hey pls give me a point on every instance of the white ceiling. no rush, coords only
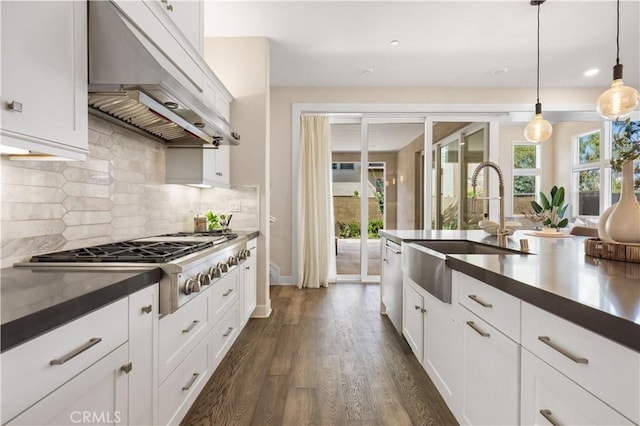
(442, 43)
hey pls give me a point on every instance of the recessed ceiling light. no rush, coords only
(591, 72)
(394, 42)
(501, 70)
(366, 71)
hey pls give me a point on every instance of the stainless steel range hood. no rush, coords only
(133, 80)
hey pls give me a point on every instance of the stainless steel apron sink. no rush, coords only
(424, 262)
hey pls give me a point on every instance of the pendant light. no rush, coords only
(617, 102)
(539, 129)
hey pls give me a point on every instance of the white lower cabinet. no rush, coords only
(413, 310)
(603, 368)
(549, 397)
(39, 366)
(143, 340)
(224, 334)
(181, 331)
(181, 388)
(443, 349)
(491, 374)
(249, 283)
(98, 395)
(435, 336)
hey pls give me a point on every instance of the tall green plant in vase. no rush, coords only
(552, 208)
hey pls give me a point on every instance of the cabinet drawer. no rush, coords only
(223, 294)
(35, 368)
(97, 395)
(492, 305)
(182, 387)
(545, 390)
(224, 334)
(181, 331)
(604, 368)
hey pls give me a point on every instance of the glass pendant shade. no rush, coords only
(538, 130)
(617, 102)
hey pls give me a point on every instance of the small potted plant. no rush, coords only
(215, 221)
(551, 211)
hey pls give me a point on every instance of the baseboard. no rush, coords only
(262, 311)
(286, 280)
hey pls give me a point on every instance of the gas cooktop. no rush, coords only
(127, 251)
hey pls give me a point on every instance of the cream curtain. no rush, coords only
(316, 256)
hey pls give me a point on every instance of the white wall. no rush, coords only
(282, 99)
(242, 64)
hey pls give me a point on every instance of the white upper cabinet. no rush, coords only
(188, 15)
(44, 77)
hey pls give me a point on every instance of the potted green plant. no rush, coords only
(552, 209)
(215, 221)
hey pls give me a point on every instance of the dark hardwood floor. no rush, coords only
(324, 357)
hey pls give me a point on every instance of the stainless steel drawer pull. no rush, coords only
(228, 292)
(480, 302)
(15, 106)
(477, 330)
(126, 368)
(147, 309)
(229, 330)
(191, 326)
(423, 310)
(74, 353)
(547, 414)
(191, 382)
(417, 307)
(392, 250)
(547, 341)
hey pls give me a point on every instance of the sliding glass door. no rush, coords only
(457, 152)
(366, 199)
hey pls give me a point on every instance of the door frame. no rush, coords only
(508, 112)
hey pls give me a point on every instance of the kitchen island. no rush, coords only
(550, 336)
(600, 295)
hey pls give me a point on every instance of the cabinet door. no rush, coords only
(249, 285)
(222, 164)
(44, 75)
(413, 318)
(188, 17)
(143, 339)
(443, 349)
(549, 396)
(98, 395)
(491, 374)
(392, 272)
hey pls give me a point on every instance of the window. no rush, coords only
(526, 175)
(616, 177)
(587, 173)
(596, 185)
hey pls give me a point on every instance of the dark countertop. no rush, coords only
(249, 234)
(600, 295)
(34, 301)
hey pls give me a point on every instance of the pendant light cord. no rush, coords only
(538, 69)
(618, 34)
